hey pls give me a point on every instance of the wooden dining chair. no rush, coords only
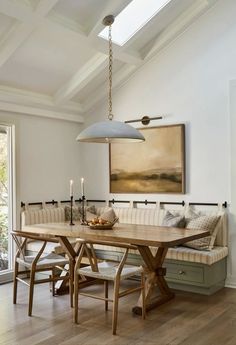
(36, 264)
(106, 271)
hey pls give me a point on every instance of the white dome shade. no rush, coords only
(110, 132)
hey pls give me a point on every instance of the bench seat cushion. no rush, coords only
(182, 253)
(199, 256)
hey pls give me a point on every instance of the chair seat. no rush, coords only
(48, 260)
(108, 271)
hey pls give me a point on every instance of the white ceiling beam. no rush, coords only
(24, 13)
(44, 7)
(92, 39)
(36, 100)
(13, 39)
(176, 28)
(15, 10)
(130, 57)
(101, 45)
(27, 110)
(122, 75)
(113, 7)
(28, 20)
(83, 76)
(75, 107)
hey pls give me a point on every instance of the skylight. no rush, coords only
(132, 19)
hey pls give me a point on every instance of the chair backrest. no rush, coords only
(86, 248)
(20, 245)
(21, 238)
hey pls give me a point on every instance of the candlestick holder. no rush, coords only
(83, 219)
(71, 210)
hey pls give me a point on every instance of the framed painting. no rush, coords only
(154, 166)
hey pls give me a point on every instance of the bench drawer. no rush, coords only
(188, 273)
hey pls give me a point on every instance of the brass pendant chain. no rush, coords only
(110, 116)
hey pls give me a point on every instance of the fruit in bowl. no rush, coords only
(99, 221)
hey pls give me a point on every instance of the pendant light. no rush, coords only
(110, 131)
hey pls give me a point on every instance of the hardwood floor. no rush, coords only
(189, 319)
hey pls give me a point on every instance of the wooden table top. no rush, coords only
(146, 235)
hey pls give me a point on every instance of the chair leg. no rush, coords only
(31, 291)
(53, 281)
(71, 279)
(106, 293)
(76, 297)
(143, 296)
(15, 282)
(115, 305)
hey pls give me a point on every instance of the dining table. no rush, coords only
(144, 237)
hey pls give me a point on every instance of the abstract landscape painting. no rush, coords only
(154, 166)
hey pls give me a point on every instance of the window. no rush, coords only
(132, 19)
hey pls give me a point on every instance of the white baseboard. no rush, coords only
(230, 282)
(6, 277)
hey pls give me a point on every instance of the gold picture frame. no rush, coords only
(154, 166)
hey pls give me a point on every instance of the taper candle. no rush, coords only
(82, 185)
(71, 187)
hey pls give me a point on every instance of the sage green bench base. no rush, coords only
(183, 275)
(196, 277)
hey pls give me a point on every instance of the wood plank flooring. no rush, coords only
(188, 319)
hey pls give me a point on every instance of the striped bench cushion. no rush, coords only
(182, 253)
(129, 215)
(45, 215)
(177, 253)
(200, 256)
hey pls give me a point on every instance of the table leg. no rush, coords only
(155, 279)
(69, 250)
(72, 252)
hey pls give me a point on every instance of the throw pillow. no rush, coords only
(173, 220)
(90, 216)
(202, 222)
(192, 214)
(108, 214)
(91, 209)
(75, 213)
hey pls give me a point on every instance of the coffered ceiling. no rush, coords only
(52, 62)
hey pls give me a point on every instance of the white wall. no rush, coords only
(188, 81)
(47, 157)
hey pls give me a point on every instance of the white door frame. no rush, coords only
(7, 275)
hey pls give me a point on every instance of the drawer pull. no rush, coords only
(181, 272)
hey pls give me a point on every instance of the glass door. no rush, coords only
(6, 209)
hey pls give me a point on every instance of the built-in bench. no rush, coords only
(187, 269)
